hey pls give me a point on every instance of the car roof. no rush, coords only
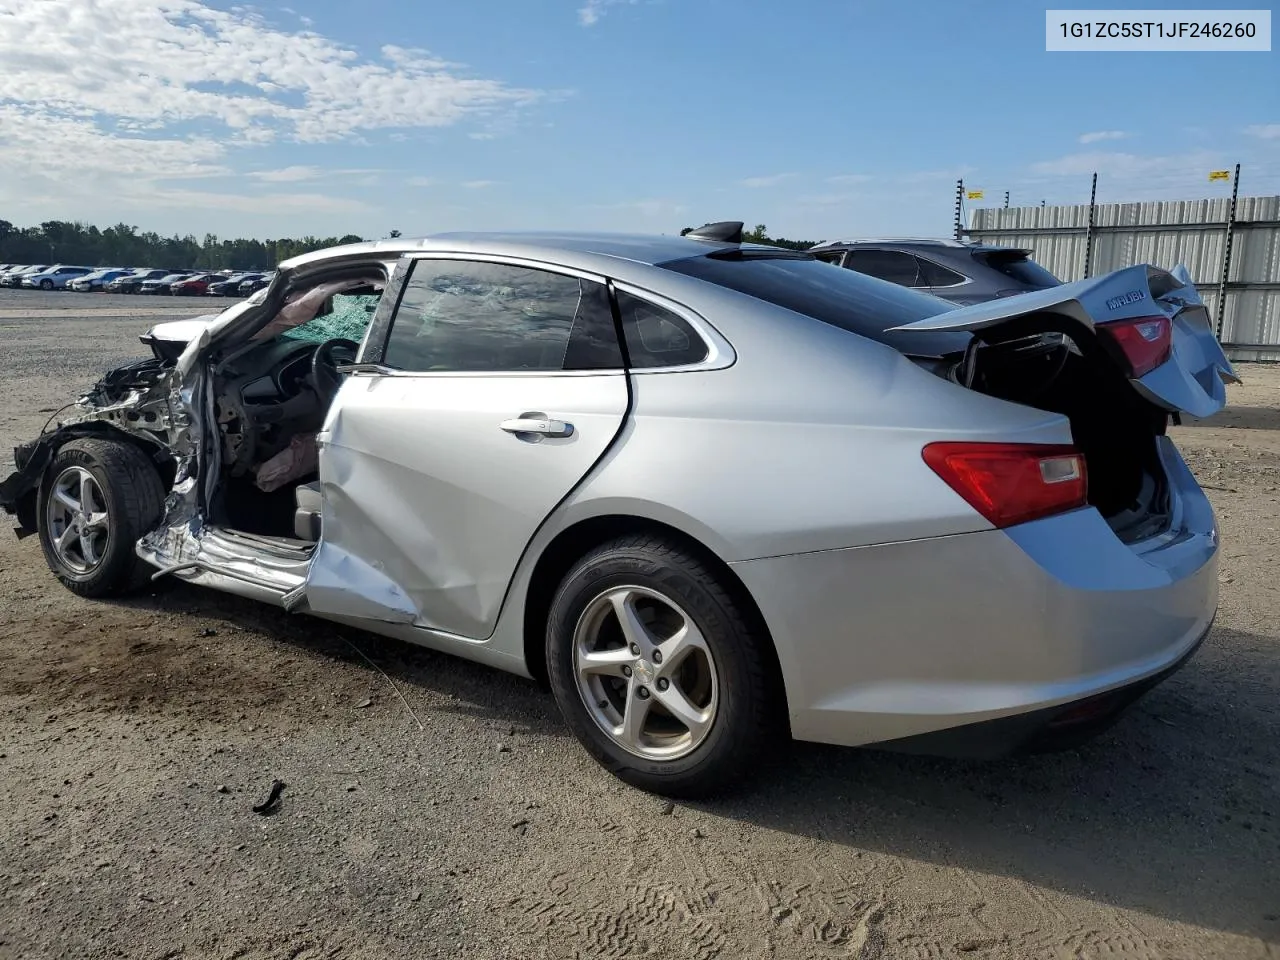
(913, 243)
(580, 249)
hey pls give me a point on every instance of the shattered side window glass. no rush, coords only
(472, 315)
(348, 320)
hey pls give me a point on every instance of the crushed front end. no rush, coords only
(141, 403)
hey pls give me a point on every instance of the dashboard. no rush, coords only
(265, 398)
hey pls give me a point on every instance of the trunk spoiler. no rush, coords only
(1191, 381)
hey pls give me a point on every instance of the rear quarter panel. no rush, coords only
(811, 440)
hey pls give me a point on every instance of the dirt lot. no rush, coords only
(135, 737)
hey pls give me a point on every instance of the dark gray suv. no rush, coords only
(961, 272)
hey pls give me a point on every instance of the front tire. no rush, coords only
(659, 670)
(46, 284)
(98, 497)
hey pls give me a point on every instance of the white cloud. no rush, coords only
(270, 203)
(480, 184)
(105, 105)
(181, 70)
(769, 181)
(589, 14)
(1123, 176)
(1264, 131)
(651, 208)
(420, 181)
(929, 176)
(286, 174)
(829, 199)
(850, 178)
(1126, 166)
(34, 140)
(1100, 135)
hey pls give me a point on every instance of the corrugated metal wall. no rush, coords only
(1164, 233)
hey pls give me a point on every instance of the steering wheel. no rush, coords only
(325, 379)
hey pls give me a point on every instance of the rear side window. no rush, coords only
(1018, 266)
(936, 275)
(892, 265)
(843, 298)
(656, 337)
(458, 315)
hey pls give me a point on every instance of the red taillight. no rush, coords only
(1011, 483)
(1145, 341)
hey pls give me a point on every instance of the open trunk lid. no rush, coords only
(1189, 379)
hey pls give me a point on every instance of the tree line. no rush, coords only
(122, 245)
(760, 234)
(60, 241)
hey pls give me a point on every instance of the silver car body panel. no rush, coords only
(1012, 621)
(418, 476)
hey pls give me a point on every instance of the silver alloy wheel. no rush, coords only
(645, 672)
(79, 526)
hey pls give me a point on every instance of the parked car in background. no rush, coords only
(162, 284)
(254, 284)
(96, 281)
(132, 282)
(194, 285)
(230, 286)
(14, 277)
(546, 455)
(55, 278)
(957, 271)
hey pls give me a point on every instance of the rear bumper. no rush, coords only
(893, 642)
(1040, 731)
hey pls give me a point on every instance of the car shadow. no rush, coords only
(1241, 418)
(455, 685)
(1173, 812)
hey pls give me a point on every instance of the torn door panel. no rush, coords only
(343, 583)
(365, 516)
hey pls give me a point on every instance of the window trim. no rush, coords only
(849, 255)
(720, 353)
(375, 349)
(942, 266)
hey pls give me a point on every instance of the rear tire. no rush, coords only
(96, 500)
(718, 676)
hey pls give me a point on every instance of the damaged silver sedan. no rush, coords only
(711, 493)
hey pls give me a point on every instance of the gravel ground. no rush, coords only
(135, 737)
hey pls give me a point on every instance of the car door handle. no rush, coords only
(544, 426)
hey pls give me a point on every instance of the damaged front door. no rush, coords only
(493, 391)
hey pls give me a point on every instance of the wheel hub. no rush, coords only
(78, 522)
(645, 673)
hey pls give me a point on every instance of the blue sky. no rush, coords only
(818, 118)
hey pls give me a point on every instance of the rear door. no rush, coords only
(1149, 318)
(486, 391)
